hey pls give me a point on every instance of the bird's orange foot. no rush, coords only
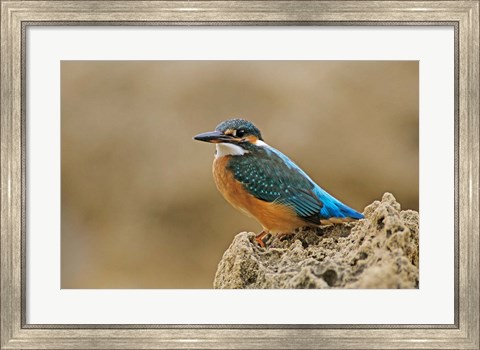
(259, 238)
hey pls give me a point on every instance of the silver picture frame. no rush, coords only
(17, 16)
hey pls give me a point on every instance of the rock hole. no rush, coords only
(380, 223)
(361, 256)
(319, 231)
(389, 233)
(251, 279)
(330, 276)
(304, 243)
(286, 237)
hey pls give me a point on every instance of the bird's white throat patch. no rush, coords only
(260, 143)
(229, 149)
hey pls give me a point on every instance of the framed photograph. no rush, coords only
(239, 174)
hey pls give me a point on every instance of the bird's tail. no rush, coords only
(349, 212)
(333, 208)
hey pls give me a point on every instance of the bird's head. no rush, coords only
(233, 137)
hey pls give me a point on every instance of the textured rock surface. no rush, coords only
(380, 251)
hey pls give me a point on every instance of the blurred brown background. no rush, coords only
(139, 205)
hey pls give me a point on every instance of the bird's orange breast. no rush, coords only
(274, 217)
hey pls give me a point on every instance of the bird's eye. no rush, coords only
(240, 133)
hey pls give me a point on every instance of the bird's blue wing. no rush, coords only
(332, 207)
(273, 177)
(269, 179)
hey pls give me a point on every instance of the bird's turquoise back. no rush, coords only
(269, 175)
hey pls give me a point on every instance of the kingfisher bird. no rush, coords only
(265, 184)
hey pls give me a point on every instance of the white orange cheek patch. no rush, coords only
(252, 139)
(229, 149)
(260, 143)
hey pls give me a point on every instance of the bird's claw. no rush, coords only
(260, 242)
(259, 238)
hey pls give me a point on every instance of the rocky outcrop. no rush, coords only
(379, 251)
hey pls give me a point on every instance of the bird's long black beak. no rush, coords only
(214, 137)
